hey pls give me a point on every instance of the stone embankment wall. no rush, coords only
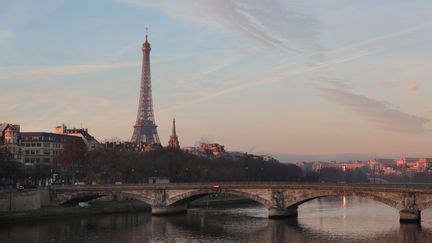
(45, 199)
(14, 201)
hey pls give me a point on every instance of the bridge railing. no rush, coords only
(249, 185)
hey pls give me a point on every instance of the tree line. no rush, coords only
(108, 166)
(76, 164)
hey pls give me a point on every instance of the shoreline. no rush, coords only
(55, 212)
(104, 208)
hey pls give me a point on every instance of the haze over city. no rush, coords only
(294, 79)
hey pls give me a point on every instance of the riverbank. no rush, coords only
(110, 206)
(48, 212)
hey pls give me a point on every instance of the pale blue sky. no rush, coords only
(266, 76)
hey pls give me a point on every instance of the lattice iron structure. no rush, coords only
(145, 127)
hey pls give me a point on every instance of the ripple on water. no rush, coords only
(330, 219)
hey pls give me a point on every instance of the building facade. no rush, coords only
(10, 142)
(90, 142)
(414, 165)
(43, 147)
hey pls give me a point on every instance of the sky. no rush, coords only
(294, 79)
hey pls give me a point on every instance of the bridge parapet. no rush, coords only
(281, 199)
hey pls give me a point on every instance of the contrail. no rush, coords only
(268, 81)
(384, 37)
(367, 41)
(305, 69)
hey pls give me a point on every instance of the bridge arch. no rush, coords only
(188, 197)
(297, 201)
(90, 195)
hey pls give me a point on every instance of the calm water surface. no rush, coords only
(331, 219)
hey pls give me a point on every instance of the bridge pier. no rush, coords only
(166, 210)
(410, 216)
(278, 213)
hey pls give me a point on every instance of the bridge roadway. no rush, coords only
(280, 198)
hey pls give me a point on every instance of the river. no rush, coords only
(331, 219)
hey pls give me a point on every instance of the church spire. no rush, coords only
(173, 142)
(174, 134)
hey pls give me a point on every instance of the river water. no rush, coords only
(331, 219)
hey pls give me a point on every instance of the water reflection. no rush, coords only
(333, 219)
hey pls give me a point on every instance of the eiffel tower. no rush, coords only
(145, 127)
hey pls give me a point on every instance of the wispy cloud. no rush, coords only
(31, 73)
(222, 63)
(282, 73)
(377, 112)
(335, 82)
(208, 75)
(71, 106)
(384, 37)
(413, 86)
(75, 69)
(278, 77)
(275, 24)
(55, 71)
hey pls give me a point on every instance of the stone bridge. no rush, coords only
(281, 199)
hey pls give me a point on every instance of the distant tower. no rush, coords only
(145, 127)
(173, 142)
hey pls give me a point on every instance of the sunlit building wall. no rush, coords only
(10, 141)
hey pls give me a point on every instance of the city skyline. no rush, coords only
(290, 79)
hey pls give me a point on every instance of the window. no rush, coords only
(38, 144)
